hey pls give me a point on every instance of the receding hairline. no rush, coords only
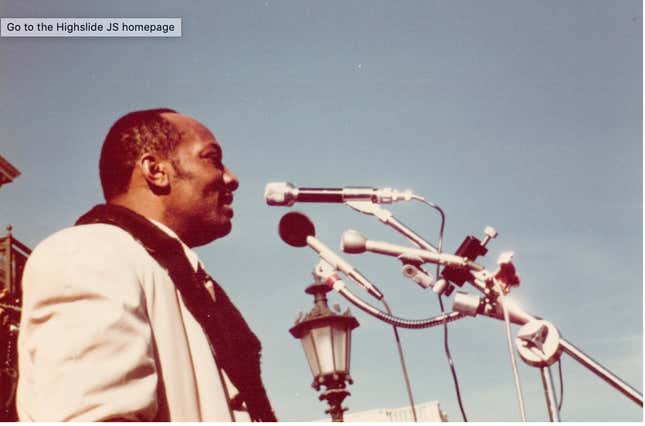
(185, 124)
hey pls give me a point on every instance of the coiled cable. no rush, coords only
(393, 320)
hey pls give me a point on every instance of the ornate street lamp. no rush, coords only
(326, 339)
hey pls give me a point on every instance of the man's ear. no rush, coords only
(155, 171)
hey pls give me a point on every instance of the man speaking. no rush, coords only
(120, 321)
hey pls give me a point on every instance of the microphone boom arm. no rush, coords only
(385, 216)
(465, 304)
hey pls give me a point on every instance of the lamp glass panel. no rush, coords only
(340, 347)
(310, 353)
(323, 342)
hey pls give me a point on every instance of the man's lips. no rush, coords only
(228, 210)
(227, 198)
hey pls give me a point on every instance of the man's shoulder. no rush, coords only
(87, 240)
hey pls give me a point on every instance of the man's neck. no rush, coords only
(142, 204)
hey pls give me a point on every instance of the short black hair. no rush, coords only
(128, 138)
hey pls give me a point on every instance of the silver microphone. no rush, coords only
(355, 242)
(286, 194)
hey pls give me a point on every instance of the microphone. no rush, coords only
(286, 194)
(354, 242)
(297, 230)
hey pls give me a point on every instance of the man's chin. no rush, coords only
(224, 229)
(206, 234)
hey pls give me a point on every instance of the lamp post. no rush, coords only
(7, 171)
(326, 340)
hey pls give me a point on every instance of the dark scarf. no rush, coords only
(236, 348)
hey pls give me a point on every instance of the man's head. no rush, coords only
(168, 167)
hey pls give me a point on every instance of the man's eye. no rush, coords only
(214, 158)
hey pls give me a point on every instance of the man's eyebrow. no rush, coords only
(210, 148)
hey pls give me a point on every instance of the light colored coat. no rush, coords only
(105, 334)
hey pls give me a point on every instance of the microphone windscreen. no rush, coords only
(280, 194)
(353, 242)
(294, 228)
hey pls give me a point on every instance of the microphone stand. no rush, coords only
(522, 318)
(601, 371)
(549, 393)
(540, 345)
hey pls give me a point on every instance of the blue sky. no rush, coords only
(526, 116)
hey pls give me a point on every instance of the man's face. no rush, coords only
(201, 187)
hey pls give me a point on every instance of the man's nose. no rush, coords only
(230, 180)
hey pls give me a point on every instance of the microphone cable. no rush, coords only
(446, 348)
(406, 378)
(509, 341)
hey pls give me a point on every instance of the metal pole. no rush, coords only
(549, 393)
(6, 259)
(410, 234)
(601, 372)
(388, 218)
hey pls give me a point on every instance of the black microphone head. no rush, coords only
(295, 227)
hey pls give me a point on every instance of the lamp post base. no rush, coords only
(335, 398)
